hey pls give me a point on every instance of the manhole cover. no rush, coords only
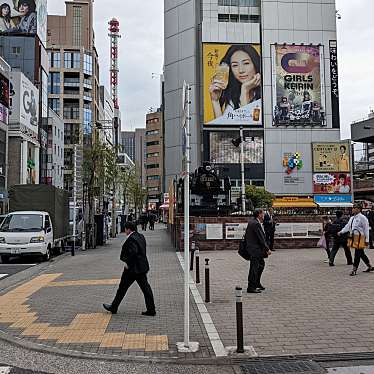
(299, 367)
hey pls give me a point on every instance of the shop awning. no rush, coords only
(294, 203)
(335, 205)
(164, 206)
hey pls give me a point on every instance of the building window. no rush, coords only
(87, 121)
(149, 144)
(54, 81)
(71, 111)
(154, 154)
(72, 60)
(16, 50)
(245, 18)
(152, 132)
(153, 166)
(77, 25)
(250, 3)
(54, 104)
(54, 59)
(153, 178)
(153, 189)
(87, 64)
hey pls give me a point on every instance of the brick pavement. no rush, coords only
(308, 307)
(62, 307)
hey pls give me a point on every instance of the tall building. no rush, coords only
(106, 117)
(141, 154)
(127, 142)
(154, 158)
(74, 79)
(269, 66)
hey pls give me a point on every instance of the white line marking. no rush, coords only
(3, 276)
(215, 340)
(18, 265)
(5, 369)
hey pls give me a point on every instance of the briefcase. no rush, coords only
(357, 240)
(243, 250)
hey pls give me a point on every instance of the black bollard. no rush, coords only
(239, 320)
(73, 247)
(207, 281)
(193, 246)
(197, 259)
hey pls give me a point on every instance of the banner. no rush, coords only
(4, 99)
(298, 85)
(222, 151)
(22, 17)
(334, 79)
(332, 183)
(328, 157)
(232, 84)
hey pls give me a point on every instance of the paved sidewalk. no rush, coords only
(307, 307)
(62, 307)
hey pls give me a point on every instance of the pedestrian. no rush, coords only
(371, 224)
(136, 267)
(257, 249)
(152, 219)
(339, 240)
(326, 227)
(270, 227)
(144, 220)
(358, 227)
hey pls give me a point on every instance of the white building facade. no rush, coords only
(290, 101)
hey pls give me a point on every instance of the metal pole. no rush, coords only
(242, 168)
(197, 254)
(75, 200)
(187, 229)
(239, 320)
(207, 281)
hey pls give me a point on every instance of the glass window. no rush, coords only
(54, 104)
(223, 18)
(54, 83)
(54, 59)
(72, 60)
(153, 166)
(87, 64)
(87, 119)
(77, 25)
(153, 178)
(152, 143)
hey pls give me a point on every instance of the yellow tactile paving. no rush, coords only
(113, 340)
(85, 328)
(134, 341)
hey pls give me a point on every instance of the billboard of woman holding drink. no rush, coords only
(232, 84)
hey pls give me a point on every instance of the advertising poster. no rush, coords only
(331, 157)
(298, 88)
(222, 150)
(200, 231)
(25, 101)
(332, 183)
(315, 230)
(232, 84)
(214, 231)
(334, 80)
(20, 17)
(298, 230)
(235, 230)
(4, 99)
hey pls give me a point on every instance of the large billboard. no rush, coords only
(25, 102)
(232, 84)
(298, 85)
(222, 151)
(332, 183)
(4, 99)
(331, 157)
(24, 17)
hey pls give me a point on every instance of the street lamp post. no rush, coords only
(240, 142)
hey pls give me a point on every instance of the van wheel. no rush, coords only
(47, 256)
(5, 259)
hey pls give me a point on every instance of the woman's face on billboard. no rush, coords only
(4, 11)
(23, 9)
(242, 66)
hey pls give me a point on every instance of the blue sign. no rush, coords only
(332, 199)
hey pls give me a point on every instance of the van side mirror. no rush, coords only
(49, 229)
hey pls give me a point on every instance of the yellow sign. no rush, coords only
(232, 84)
(328, 157)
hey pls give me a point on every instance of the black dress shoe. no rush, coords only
(109, 308)
(147, 313)
(261, 287)
(253, 291)
(332, 264)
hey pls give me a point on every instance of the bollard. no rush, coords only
(239, 320)
(197, 259)
(207, 281)
(193, 246)
(73, 247)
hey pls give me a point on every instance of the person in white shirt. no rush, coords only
(358, 224)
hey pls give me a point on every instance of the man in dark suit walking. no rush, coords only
(134, 256)
(269, 227)
(258, 250)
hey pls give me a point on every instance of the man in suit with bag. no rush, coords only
(136, 267)
(257, 249)
(270, 227)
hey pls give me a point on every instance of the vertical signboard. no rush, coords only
(334, 79)
(298, 85)
(4, 99)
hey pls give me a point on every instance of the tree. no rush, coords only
(259, 196)
(137, 192)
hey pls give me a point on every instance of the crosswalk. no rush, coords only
(3, 276)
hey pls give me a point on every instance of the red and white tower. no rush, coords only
(114, 67)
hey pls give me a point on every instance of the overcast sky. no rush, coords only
(141, 54)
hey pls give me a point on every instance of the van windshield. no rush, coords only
(22, 222)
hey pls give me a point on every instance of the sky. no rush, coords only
(141, 55)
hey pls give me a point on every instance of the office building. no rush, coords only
(269, 66)
(106, 117)
(141, 154)
(74, 80)
(128, 143)
(154, 158)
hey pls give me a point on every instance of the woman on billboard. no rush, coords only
(28, 18)
(237, 85)
(6, 22)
